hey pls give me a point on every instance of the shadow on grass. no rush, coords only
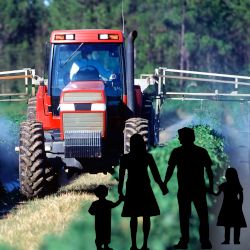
(8, 202)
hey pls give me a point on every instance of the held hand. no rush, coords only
(164, 189)
(121, 197)
(165, 182)
(210, 190)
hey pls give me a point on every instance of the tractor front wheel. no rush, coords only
(32, 159)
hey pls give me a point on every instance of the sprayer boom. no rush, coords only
(24, 80)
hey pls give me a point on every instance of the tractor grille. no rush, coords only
(88, 121)
(83, 144)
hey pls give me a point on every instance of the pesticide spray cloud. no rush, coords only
(8, 156)
(231, 120)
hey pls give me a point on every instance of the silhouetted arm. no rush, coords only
(208, 164)
(92, 209)
(121, 176)
(156, 174)
(117, 203)
(171, 167)
(219, 191)
(241, 197)
(210, 178)
(169, 173)
(154, 170)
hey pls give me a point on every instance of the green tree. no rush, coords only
(215, 35)
(188, 34)
(22, 28)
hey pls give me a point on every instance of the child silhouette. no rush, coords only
(231, 214)
(101, 209)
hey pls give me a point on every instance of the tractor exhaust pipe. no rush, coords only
(130, 71)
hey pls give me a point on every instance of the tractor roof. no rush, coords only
(86, 35)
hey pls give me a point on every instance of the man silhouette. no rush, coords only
(191, 161)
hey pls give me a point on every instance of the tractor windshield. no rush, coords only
(87, 62)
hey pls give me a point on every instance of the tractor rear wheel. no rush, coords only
(32, 159)
(31, 110)
(135, 126)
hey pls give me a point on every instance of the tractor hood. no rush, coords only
(84, 85)
(83, 112)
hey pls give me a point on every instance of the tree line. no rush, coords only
(199, 35)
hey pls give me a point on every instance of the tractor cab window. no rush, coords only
(87, 62)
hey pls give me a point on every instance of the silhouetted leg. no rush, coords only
(200, 204)
(133, 230)
(184, 214)
(227, 236)
(99, 240)
(236, 235)
(146, 230)
(106, 246)
(98, 245)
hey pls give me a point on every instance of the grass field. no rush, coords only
(61, 221)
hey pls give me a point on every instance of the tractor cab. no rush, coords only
(80, 61)
(86, 89)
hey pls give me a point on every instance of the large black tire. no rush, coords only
(32, 160)
(31, 110)
(135, 126)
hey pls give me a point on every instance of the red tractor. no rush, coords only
(84, 116)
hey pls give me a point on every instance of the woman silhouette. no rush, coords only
(139, 198)
(231, 214)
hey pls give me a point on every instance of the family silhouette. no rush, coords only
(139, 200)
(191, 161)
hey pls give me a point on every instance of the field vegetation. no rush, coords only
(13, 111)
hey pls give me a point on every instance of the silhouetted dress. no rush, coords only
(139, 198)
(231, 214)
